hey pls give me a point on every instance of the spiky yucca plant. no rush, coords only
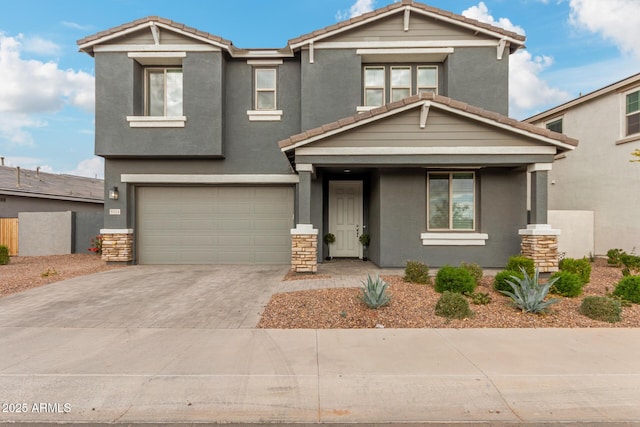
(528, 294)
(374, 292)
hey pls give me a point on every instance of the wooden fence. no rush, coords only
(9, 234)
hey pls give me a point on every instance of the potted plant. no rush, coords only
(365, 239)
(329, 238)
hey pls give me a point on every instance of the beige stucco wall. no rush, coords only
(576, 232)
(598, 175)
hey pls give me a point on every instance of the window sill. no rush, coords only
(156, 121)
(365, 108)
(630, 138)
(454, 239)
(264, 115)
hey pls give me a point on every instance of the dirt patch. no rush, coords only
(413, 306)
(24, 273)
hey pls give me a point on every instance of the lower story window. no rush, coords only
(451, 200)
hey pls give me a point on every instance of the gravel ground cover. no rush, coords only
(23, 273)
(413, 306)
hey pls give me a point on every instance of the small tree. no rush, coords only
(636, 154)
(329, 238)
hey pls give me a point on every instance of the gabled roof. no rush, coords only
(614, 87)
(86, 44)
(50, 186)
(421, 8)
(430, 100)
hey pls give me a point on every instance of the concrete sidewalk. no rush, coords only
(441, 376)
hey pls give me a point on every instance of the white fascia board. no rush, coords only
(503, 126)
(115, 35)
(400, 151)
(191, 35)
(159, 54)
(454, 239)
(155, 48)
(351, 126)
(209, 179)
(406, 44)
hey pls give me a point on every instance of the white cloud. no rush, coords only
(615, 20)
(76, 26)
(92, 168)
(29, 87)
(527, 91)
(481, 13)
(40, 46)
(358, 8)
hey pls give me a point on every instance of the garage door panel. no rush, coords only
(214, 225)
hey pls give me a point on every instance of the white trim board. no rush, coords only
(209, 179)
(454, 239)
(385, 151)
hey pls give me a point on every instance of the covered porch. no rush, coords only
(427, 178)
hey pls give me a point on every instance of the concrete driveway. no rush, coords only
(207, 296)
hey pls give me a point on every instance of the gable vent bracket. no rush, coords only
(424, 113)
(502, 44)
(407, 14)
(155, 32)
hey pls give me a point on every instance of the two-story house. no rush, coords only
(392, 124)
(599, 176)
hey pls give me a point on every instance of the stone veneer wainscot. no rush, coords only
(117, 245)
(304, 249)
(540, 243)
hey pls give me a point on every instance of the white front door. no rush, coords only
(345, 217)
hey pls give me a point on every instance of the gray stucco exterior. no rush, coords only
(320, 86)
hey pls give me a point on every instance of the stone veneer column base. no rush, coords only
(117, 245)
(304, 249)
(540, 243)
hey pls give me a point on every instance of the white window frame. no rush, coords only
(418, 87)
(392, 87)
(147, 72)
(383, 87)
(258, 90)
(450, 228)
(626, 115)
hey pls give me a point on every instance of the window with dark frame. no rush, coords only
(632, 113)
(451, 201)
(555, 126)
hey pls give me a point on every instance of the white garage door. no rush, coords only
(214, 225)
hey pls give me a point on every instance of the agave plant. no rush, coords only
(528, 294)
(374, 292)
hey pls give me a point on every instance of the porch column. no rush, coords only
(304, 238)
(539, 191)
(539, 241)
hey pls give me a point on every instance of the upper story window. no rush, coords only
(451, 201)
(265, 88)
(555, 125)
(632, 113)
(390, 83)
(164, 92)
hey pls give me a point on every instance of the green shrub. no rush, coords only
(601, 308)
(515, 263)
(529, 295)
(452, 305)
(567, 284)
(4, 255)
(455, 279)
(480, 298)
(500, 281)
(416, 272)
(613, 257)
(629, 289)
(374, 292)
(581, 267)
(631, 264)
(474, 269)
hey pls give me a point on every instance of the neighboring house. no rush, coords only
(23, 190)
(391, 124)
(34, 197)
(599, 176)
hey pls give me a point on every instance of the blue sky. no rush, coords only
(46, 85)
